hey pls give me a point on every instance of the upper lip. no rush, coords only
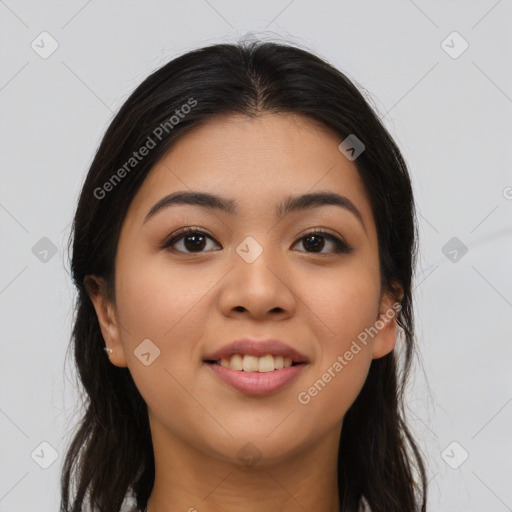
(258, 348)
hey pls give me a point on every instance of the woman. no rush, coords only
(243, 249)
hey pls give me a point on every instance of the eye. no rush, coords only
(189, 240)
(315, 242)
(193, 240)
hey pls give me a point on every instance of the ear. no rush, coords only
(110, 329)
(385, 339)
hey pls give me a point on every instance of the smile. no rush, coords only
(256, 376)
(249, 363)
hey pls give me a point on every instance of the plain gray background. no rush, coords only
(449, 111)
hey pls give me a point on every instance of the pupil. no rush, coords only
(198, 242)
(315, 246)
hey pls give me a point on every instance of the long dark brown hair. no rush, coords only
(111, 453)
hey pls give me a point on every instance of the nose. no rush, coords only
(257, 290)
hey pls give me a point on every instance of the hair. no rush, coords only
(111, 452)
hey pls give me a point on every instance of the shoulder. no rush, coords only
(363, 506)
(130, 504)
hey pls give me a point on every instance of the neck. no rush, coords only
(189, 480)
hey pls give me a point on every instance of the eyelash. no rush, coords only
(340, 245)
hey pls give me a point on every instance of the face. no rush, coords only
(298, 280)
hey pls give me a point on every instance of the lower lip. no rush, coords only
(258, 383)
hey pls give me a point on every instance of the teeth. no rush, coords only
(263, 364)
(236, 362)
(266, 364)
(250, 364)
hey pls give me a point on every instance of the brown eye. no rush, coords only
(316, 241)
(189, 240)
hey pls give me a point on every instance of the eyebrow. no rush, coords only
(289, 205)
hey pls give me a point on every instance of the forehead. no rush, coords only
(256, 161)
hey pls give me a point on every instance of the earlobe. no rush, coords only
(105, 311)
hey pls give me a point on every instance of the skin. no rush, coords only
(192, 303)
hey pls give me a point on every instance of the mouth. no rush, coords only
(269, 368)
(256, 368)
(249, 354)
(250, 363)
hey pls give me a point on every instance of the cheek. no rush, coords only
(155, 300)
(342, 303)
(346, 304)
